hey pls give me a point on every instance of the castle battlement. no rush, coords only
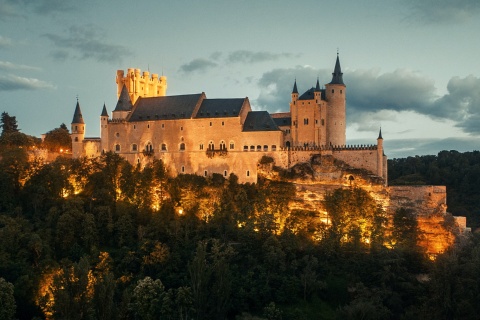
(141, 84)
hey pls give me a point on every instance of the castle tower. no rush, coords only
(380, 154)
(124, 105)
(141, 84)
(77, 132)
(294, 114)
(335, 93)
(104, 129)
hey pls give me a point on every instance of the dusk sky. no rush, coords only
(411, 67)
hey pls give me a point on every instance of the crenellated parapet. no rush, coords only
(141, 84)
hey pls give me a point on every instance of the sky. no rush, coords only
(411, 67)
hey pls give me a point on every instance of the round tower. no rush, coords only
(104, 129)
(294, 114)
(77, 132)
(335, 93)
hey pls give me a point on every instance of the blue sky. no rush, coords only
(411, 67)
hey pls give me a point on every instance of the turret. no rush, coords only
(317, 92)
(380, 157)
(77, 132)
(335, 93)
(124, 105)
(295, 91)
(104, 129)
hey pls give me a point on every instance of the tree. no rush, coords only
(148, 298)
(7, 301)
(9, 124)
(58, 139)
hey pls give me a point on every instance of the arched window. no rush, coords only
(252, 148)
(223, 146)
(76, 139)
(232, 145)
(274, 147)
(265, 148)
(117, 148)
(148, 146)
(259, 148)
(287, 144)
(134, 147)
(182, 146)
(211, 145)
(245, 148)
(163, 147)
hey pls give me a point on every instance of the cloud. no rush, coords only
(84, 43)
(16, 8)
(442, 11)
(12, 83)
(5, 42)
(199, 65)
(5, 65)
(379, 96)
(245, 56)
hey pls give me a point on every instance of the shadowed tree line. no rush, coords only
(102, 239)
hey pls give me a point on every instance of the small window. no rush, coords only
(76, 128)
(265, 148)
(164, 147)
(76, 139)
(225, 173)
(223, 146)
(205, 173)
(148, 126)
(134, 126)
(163, 125)
(210, 123)
(259, 148)
(183, 169)
(245, 148)
(182, 146)
(134, 147)
(248, 173)
(117, 148)
(117, 134)
(305, 121)
(274, 147)
(201, 146)
(252, 148)
(211, 146)
(148, 146)
(323, 122)
(181, 128)
(223, 123)
(341, 91)
(138, 160)
(232, 146)
(333, 91)
(316, 121)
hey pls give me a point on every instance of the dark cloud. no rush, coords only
(5, 65)
(245, 56)
(442, 11)
(12, 83)
(86, 42)
(372, 95)
(199, 65)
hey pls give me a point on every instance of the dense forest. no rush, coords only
(102, 239)
(460, 172)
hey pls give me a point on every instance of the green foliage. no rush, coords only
(58, 139)
(8, 123)
(7, 300)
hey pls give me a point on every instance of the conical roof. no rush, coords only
(337, 75)
(77, 116)
(124, 103)
(317, 87)
(380, 134)
(104, 111)
(295, 90)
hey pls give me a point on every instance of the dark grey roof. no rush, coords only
(104, 111)
(380, 134)
(77, 115)
(220, 108)
(317, 87)
(287, 121)
(259, 121)
(124, 103)
(165, 108)
(337, 75)
(295, 90)
(310, 94)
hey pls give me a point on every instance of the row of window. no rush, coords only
(225, 172)
(259, 148)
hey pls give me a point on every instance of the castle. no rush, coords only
(196, 135)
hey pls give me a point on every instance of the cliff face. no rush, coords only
(324, 174)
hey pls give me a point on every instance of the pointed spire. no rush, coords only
(77, 116)
(295, 87)
(380, 134)
(337, 73)
(104, 111)
(317, 87)
(124, 103)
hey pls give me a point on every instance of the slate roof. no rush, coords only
(220, 108)
(337, 75)
(287, 121)
(295, 90)
(259, 121)
(77, 115)
(124, 103)
(310, 94)
(104, 111)
(165, 108)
